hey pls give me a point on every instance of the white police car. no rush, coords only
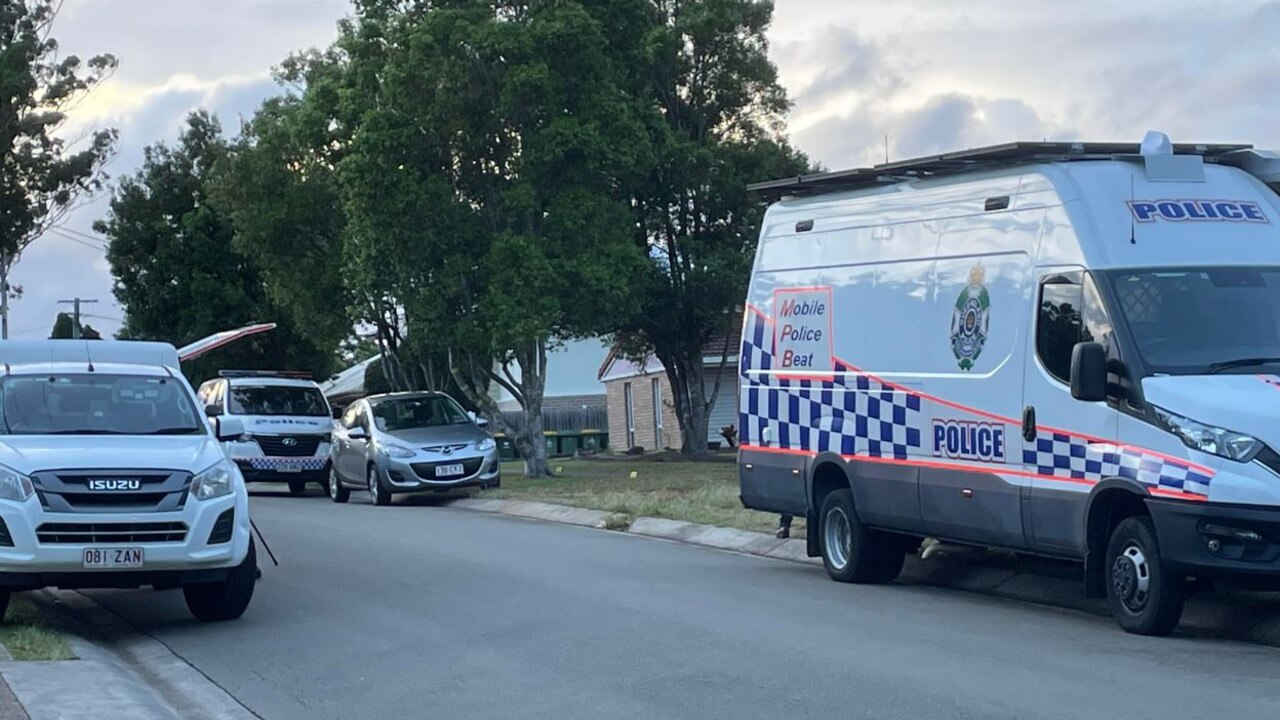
(110, 478)
(287, 425)
(1067, 349)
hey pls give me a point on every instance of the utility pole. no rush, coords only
(4, 295)
(75, 318)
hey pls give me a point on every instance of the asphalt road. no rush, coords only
(417, 611)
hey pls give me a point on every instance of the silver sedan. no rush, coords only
(409, 443)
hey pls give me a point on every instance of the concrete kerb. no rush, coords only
(1248, 617)
(121, 672)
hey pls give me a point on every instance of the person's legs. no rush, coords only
(784, 526)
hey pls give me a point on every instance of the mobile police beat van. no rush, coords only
(1064, 349)
(110, 477)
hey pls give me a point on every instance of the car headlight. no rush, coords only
(486, 444)
(1207, 438)
(396, 451)
(14, 485)
(215, 482)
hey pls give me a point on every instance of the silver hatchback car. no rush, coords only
(409, 443)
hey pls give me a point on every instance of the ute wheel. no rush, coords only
(378, 494)
(297, 487)
(851, 551)
(338, 492)
(4, 603)
(1144, 595)
(226, 600)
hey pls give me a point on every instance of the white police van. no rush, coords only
(287, 423)
(110, 478)
(1064, 349)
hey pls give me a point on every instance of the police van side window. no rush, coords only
(1058, 323)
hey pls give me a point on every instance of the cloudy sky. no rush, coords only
(932, 75)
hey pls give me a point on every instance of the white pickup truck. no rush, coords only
(110, 477)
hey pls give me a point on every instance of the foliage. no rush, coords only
(42, 175)
(177, 271)
(64, 328)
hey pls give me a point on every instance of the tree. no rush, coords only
(715, 114)
(42, 176)
(176, 268)
(482, 190)
(64, 329)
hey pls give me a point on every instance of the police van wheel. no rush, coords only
(1145, 596)
(851, 552)
(226, 600)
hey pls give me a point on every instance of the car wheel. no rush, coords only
(338, 492)
(851, 552)
(378, 494)
(1145, 596)
(226, 600)
(297, 487)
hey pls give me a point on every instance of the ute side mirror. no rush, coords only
(1089, 372)
(229, 428)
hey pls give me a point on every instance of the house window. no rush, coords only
(630, 415)
(656, 385)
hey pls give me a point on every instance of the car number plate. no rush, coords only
(293, 467)
(112, 558)
(449, 470)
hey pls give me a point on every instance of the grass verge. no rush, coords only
(698, 492)
(28, 636)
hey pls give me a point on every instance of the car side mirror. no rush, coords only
(1089, 372)
(212, 410)
(357, 433)
(229, 428)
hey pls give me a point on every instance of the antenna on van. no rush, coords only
(1133, 226)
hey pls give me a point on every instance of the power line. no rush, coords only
(85, 235)
(74, 239)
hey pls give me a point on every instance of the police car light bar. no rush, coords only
(290, 374)
(985, 158)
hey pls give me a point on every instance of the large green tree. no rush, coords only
(715, 112)
(483, 189)
(42, 175)
(176, 268)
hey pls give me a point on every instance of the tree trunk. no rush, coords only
(688, 390)
(527, 436)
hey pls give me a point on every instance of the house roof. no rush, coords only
(716, 348)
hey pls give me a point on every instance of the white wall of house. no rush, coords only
(571, 370)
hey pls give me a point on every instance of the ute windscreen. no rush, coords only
(96, 404)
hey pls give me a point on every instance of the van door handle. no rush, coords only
(1029, 423)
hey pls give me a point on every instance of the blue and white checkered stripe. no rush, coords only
(849, 414)
(285, 463)
(1077, 458)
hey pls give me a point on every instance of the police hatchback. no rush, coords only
(110, 478)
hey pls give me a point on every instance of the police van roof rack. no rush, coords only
(985, 158)
(289, 374)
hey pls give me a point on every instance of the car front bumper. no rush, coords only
(414, 475)
(31, 563)
(1219, 540)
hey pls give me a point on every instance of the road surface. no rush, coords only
(424, 611)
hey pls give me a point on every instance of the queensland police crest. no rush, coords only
(970, 320)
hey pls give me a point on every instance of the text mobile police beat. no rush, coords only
(802, 335)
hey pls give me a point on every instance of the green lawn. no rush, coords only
(700, 492)
(28, 636)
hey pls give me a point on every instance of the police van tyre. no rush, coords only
(226, 600)
(1145, 596)
(297, 487)
(851, 551)
(338, 492)
(378, 494)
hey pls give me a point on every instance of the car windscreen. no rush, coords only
(418, 412)
(96, 404)
(276, 400)
(1192, 321)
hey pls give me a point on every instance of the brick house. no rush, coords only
(638, 397)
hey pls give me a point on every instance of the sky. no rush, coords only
(928, 75)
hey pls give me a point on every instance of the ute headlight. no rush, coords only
(486, 444)
(1207, 438)
(396, 451)
(215, 482)
(14, 485)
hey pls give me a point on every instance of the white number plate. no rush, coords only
(290, 467)
(112, 558)
(449, 470)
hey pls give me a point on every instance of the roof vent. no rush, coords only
(1156, 143)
